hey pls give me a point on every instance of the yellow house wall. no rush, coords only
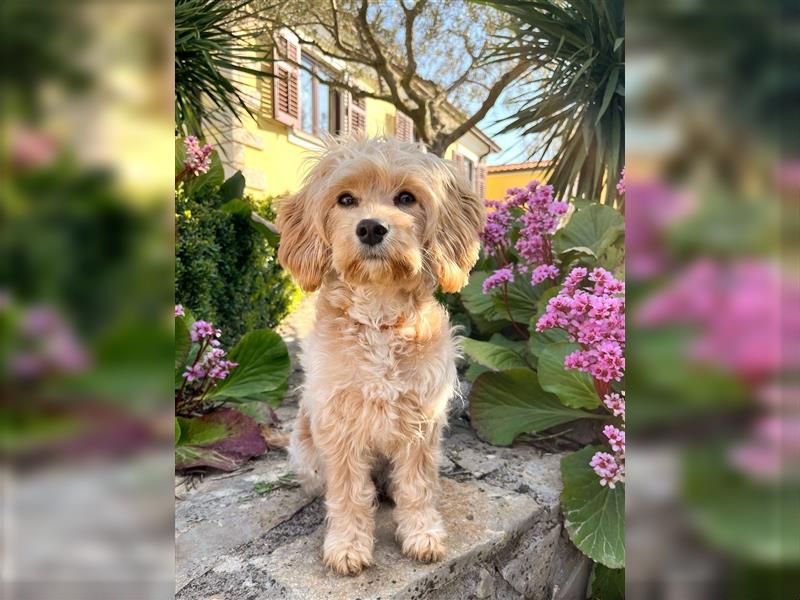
(269, 156)
(498, 183)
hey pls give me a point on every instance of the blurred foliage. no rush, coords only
(577, 104)
(226, 271)
(69, 235)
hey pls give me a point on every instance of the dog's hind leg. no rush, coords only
(304, 456)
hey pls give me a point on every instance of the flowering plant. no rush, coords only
(209, 382)
(547, 313)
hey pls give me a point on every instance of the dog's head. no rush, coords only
(381, 212)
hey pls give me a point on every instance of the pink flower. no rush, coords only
(198, 158)
(607, 468)
(543, 272)
(179, 312)
(194, 372)
(203, 330)
(616, 404)
(616, 438)
(498, 278)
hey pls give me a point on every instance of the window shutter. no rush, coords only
(480, 181)
(286, 84)
(356, 115)
(460, 164)
(403, 127)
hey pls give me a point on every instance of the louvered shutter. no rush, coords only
(356, 115)
(403, 127)
(460, 164)
(286, 84)
(480, 181)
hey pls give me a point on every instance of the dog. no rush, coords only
(377, 225)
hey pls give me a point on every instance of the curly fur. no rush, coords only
(380, 362)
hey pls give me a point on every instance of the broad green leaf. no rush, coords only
(594, 515)
(507, 403)
(478, 303)
(540, 340)
(492, 356)
(595, 227)
(474, 370)
(263, 366)
(521, 300)
(177, 431)
(237, 206)
(574, 388)
(233, 187)
(756, 521)
(224, 439)
(200, 431)
(606, 584)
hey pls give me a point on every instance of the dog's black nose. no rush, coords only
(371, 232)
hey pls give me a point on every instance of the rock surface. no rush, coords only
(249, 536)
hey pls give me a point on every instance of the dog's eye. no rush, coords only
(404, 199)
(346, 200)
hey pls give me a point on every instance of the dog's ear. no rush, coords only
(461, 217)
(302, 251)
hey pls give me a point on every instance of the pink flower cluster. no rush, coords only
(198, 158)
(538, 219)
(211, 366)
(608, 469)
(203, 330)
(594, 317)
(498, 278)
(611, 468)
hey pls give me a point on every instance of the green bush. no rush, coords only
(225, 270)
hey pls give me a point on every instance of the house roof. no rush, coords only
(533, 165)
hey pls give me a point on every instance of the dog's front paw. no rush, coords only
(425, 546)
(347, 558)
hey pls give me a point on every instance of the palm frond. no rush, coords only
(577, 106)
(213, 39)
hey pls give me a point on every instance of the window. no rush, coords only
(317, 101)
(469, 170)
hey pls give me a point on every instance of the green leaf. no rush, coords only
(224, 439)
(756, 521)
(594, 515)
(478, 303)
(492, 356)
(507, 403)
(595, 227)
(540, 340)
(263, 366)
(233, 187)
(474, 370)
(237, 207)
(607, 584)
(574, 388)
(522, 298)
(177, 431)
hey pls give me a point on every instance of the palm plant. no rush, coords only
(577, 103)
(213, 39)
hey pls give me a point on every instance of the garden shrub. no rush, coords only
(225, 269)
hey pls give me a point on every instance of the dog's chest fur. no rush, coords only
(382, 363)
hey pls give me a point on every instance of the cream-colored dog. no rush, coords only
(376, 227)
